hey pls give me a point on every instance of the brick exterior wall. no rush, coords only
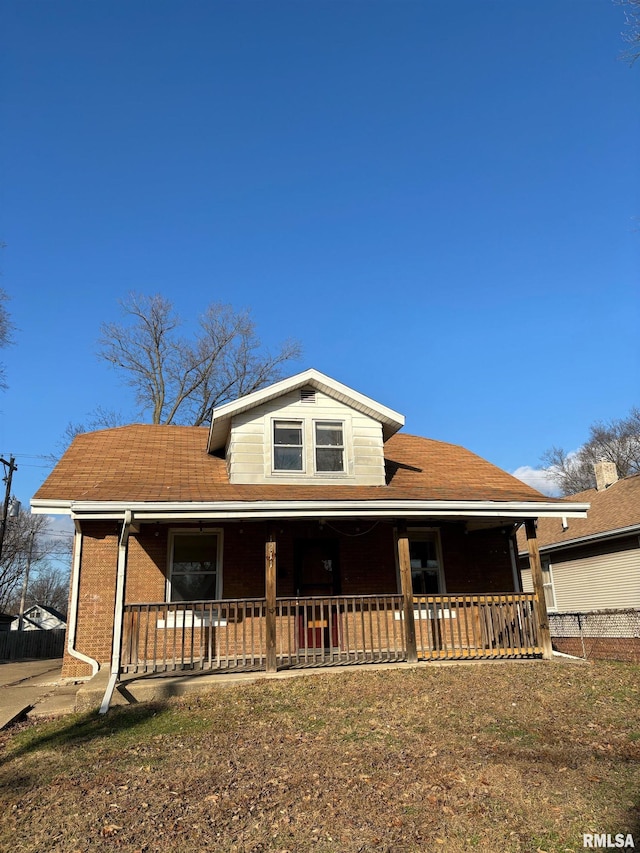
(473, 563)
(147, 564)
(96, 596)
(479, 561)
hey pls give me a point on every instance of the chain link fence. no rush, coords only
(598, 634)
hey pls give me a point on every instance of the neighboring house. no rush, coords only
(40, 617)
(5, 621)
(301, 529)
(593, 564)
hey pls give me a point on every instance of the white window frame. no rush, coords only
(423, 534)
(329, 422)
(308, 428)
(189, 531)
(416, 533)
(289, 472)
(547, 584)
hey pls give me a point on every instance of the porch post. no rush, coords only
(118, 615)
(406, 587)
(270, 595)
(538, 588)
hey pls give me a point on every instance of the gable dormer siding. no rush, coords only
(250, 446)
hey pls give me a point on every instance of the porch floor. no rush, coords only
(133, 688)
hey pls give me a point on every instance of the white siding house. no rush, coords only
(593, 563)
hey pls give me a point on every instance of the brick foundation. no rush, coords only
(600, 648)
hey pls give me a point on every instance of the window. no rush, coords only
(194, 567)
(425, 565)
(547, 585)
(329, 447)
(287, 446)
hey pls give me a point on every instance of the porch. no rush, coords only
(232, 635)
(323, 624)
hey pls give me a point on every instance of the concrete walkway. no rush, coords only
(34, 687)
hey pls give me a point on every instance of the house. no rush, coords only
(592, 565)
(301, 529)
(39, 617)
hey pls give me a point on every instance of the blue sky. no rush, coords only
(439, 200)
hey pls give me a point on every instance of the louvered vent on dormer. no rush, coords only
(307, 395)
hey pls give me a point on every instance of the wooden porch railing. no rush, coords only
(230, 634)
(338, 631)
(212, 635)
(476, 626)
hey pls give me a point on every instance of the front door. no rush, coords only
(317, 575)
(317, 570)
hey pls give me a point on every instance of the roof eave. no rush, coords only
(221, 417)
(581, 540)
(385, 508)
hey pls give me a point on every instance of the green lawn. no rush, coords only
(490, 757)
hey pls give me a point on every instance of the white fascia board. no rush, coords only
(235, 510)
(581, 540)
(391, 420)
(47, 507)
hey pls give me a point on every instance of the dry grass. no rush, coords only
(499, 758)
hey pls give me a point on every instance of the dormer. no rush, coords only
(307, 429)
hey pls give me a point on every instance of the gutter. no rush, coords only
(73, 604)
(593, 537)
(220, 510)
(118, 611)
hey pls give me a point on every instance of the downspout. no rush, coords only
(517, 577)
(119, 610)
(73, 603)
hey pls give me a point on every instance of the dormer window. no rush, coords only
(287, 446)
(329, 441)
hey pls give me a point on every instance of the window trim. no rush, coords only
(547, 569)
(218, 532)
(309, 470)
(418, 533)
(295, 472)
(314, 426)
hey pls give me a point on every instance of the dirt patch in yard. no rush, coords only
(499, 758)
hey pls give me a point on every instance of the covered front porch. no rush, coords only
(331, 594)
(234, 635)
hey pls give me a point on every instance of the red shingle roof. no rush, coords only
(170, 463)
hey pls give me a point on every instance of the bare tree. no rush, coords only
(48, 586)
(27, 538)
(180, 380)
(632, 33)
(615, 441)
(100, 418)
(6, 330)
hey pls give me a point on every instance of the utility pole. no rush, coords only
(25, 582)
(11, 465)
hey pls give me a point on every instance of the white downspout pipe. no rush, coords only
(517, 586)
(119, 610)
(73, 603)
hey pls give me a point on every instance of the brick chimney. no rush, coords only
(606, 474)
